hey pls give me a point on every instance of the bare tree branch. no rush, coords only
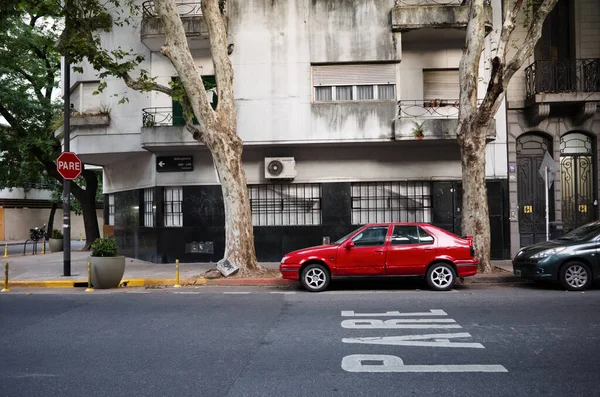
(145, 86)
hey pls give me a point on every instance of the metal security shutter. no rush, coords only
(440, 84)
(365, 74)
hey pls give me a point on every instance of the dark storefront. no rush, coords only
(287, 217)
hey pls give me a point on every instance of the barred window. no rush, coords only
(149, 207)
(374, 202)
(173, 206)
(111, 209)
(278, 205)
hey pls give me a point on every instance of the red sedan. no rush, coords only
(385, 249)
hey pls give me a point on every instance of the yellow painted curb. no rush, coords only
(127, 282)
(143, 282)
(44, 284)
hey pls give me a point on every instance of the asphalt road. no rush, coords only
(483, 340)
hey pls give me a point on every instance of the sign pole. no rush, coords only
(67, 182)
(547, 206)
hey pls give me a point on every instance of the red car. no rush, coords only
(385, 249)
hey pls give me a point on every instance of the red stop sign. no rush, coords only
(69, 166)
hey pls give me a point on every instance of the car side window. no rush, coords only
(425, 237)
(403, 235)
(372, 236)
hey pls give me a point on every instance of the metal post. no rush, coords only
(5, 289)
(66, 182)
(177, 285)
(6, 250)
(547, 206)
(89, 288)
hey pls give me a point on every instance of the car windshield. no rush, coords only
(345, 237)
(583, 233)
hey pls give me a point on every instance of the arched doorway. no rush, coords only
(531, 149)
(577, 179)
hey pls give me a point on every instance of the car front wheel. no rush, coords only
(315, 278)
(575, 276)
(441, 277)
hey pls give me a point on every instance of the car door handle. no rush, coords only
(428, 248)
(378, 251)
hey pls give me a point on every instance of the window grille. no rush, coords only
(111, 209)
(374, 202)
(149, 207)
(285, 205)
(173, 212)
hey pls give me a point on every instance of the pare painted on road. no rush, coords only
(391, 363)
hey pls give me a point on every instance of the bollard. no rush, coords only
(5, 289)
(80, 236)
(89, 288)
(177, 285)
(6, 250)
(43, 247)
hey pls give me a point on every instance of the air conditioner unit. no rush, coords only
(280, 168)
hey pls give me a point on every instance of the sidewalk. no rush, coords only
(46, 270)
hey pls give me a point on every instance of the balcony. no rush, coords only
(572, 82)
(438, 120)
(153, 32)
(162, 128)
(410, 15)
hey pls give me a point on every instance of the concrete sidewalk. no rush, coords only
(46, 270)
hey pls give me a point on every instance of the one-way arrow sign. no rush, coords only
(174, 163)
(552, 168)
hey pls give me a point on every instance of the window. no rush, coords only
(374, 202)
(410, 235)
(441, 84)
(365, 82)
(149, 207)
(111, 209)
(277, 205)
(173, 206)
(372, 236)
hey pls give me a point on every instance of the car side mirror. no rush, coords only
(349, 244)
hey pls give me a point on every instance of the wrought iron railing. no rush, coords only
(432, 109)
(184, 9)
(573, 75)
(412, 3)
(160, 116)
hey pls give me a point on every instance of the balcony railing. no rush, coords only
(431, 109)
(413, 3)
(559, 77)
(160, 117)
(184, 9)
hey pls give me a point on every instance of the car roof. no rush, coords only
(400, 224)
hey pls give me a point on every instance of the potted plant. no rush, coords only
(107, 267)
(418, 130)
(56, 241)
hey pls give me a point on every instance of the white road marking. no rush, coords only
(395, 324)
(436, 340)
(387, 363)
(187, 293)
(236, 293)
(283, 292)
(432, 312)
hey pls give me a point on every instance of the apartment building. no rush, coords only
(332, 97)
(553, 107)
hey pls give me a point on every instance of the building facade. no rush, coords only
(348, 113)
(553, 107)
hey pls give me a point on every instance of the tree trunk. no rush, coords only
(239, 233)
(50, 227)
(475, 220)
(87, 199)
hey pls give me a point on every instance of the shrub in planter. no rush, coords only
(107, 267)
(56, 241)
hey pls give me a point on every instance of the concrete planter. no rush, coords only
(55, 244)
(107, 272)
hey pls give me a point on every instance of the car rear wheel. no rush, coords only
(315, 277)
(441, 277)
(575, 276)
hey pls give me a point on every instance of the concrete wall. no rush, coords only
(18, 221)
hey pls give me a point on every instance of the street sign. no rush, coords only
(552, 168)
(68, 165)
(174, 163)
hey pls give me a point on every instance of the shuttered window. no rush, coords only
(440, 84)
(363, 82)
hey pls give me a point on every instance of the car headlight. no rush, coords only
(547, 253)
(284, 259)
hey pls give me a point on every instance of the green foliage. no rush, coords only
(105, 247)
(418, 130)
(56, 234)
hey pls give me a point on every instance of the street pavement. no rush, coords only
(47, 270)
(478, 340)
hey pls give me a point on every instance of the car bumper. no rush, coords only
(533, 271)
(466, 268)
(289, 271)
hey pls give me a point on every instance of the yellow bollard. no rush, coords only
(6, 250)
(5, 289)
(44, 247)
(80, 236)
(177, 285)
(89, 288)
